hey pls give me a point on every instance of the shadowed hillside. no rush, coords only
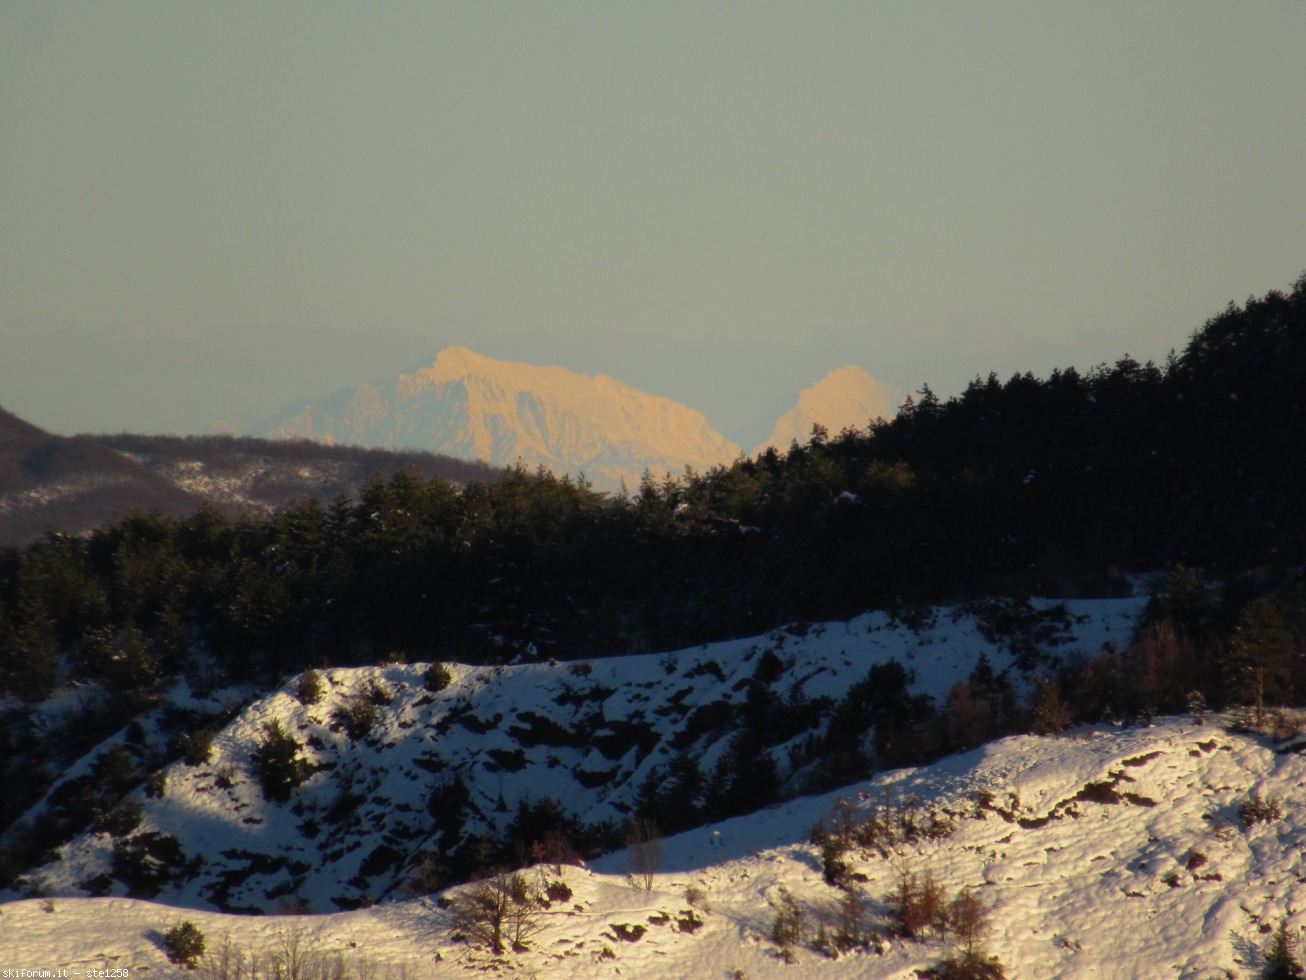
(74, 484)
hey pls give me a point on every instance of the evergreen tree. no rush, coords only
(1258, 666)
(1281, 962)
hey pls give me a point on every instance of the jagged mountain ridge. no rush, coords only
(474, 407)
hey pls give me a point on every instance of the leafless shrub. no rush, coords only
(852, 922)
(969, 921)
(291, 957)
(1285, 724)
(1257, 809)
(422, 875)
(917, 905)
(644, 847)
(696, 897)
(881, 827)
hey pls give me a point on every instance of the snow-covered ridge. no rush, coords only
(586, 734)
(1158, 878)
(1120, 851)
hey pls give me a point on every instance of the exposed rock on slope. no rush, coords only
(473, 407)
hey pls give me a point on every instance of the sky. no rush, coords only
(210, 210)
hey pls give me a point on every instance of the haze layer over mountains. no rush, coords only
(470, 406)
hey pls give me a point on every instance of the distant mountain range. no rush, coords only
(470, 406)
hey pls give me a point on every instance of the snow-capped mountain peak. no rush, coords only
(467, 405)
(845, 397)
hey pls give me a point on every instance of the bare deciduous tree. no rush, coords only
(498, 911)
(644, 845)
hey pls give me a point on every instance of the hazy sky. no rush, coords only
(207, 210)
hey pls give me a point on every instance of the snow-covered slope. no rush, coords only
(847, 397)
(472, 407)
(439, 768)
(1115, 853)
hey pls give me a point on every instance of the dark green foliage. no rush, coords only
(967, 966)
(674, 795)
(147, 862)
(1049, 713)
(745, 777)
(901, 722)
(122, 819)
(1026, 632)
(357, 716)
(1258, 666)
(115, 768)
(278, 764)
(120, 657)
(787, 928)
(184, 944)
(557, 891)
(770, 668)
(196, 747)
(437, 677)
(379, 694)
(1281, 960)
(311, 687)
(544, 825)
(28, 644)
(979, 709)
(834, 869)
(1259, 809)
